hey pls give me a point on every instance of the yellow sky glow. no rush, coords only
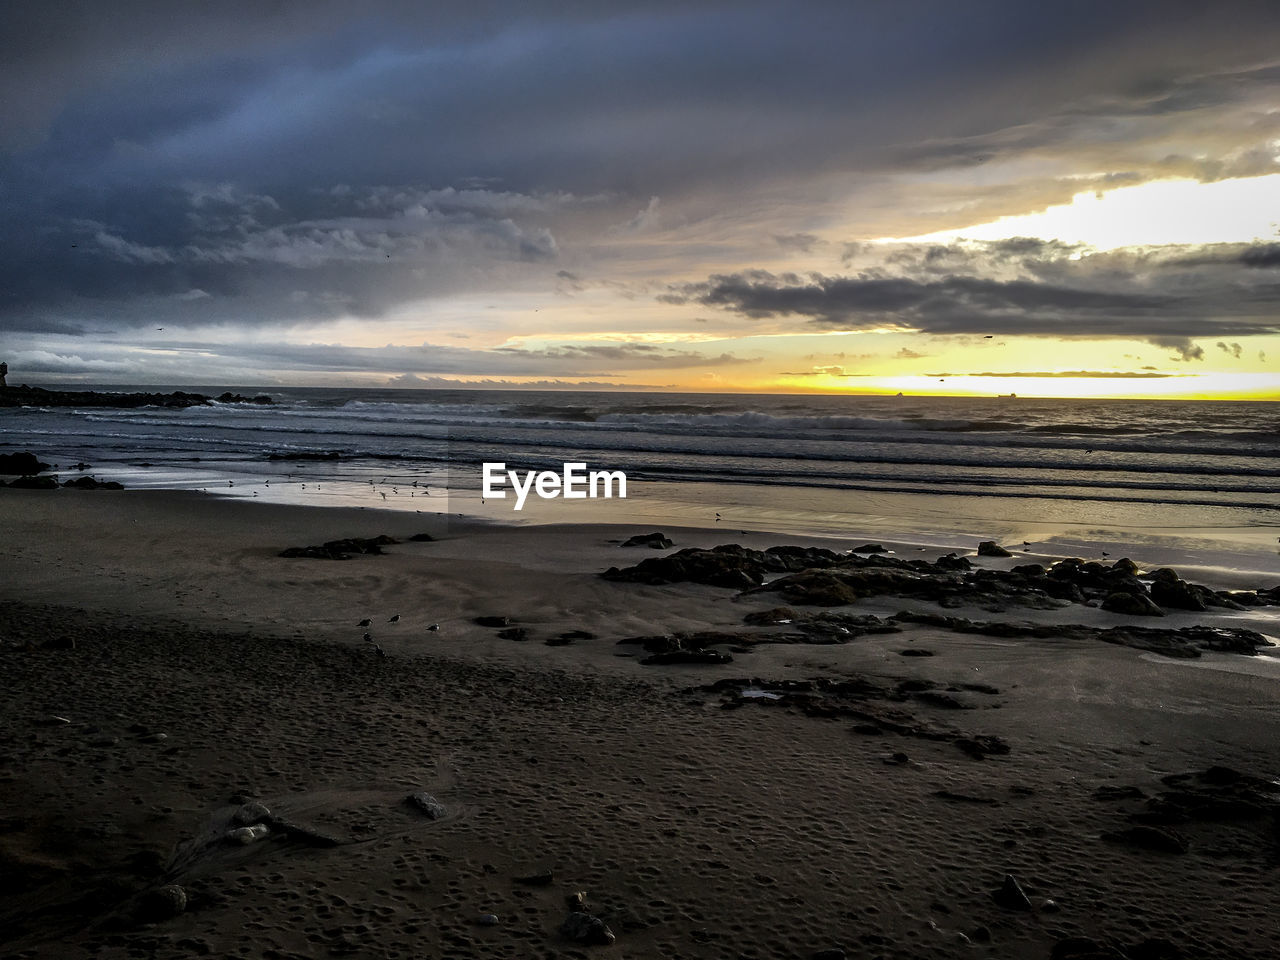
(1150, 214)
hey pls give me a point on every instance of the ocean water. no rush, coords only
(1190, 476)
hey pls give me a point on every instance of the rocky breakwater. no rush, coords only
(25, 396)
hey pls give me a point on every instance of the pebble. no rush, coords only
(248, 835)
(487, 920)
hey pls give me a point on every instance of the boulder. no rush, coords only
(989, 548)
(655, 541)
(815, 588)
(88, 483)
(35, 483)
(1131, 604)
(21, 464)
(1178, 594)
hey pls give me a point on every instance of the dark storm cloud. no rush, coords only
(349, 250)
(1084, 299)
(489, 383)
(603, 360)
(304, 160)
(1262, 255)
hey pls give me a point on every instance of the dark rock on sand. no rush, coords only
(657, 541)
(720, 567)
(989, 548)
(1131, 604)
(1177, 594)
(1011, 895)
(422, 538)
(21, 464)
(494, 622)
(1184, 642)
(770, 617)
(728, 565)
(514, 633)
(88, 483)
(162, 903)
(34, 483)
(585, 929)
(340, 549)
(427, 804)
(869, 548)
(815, 588)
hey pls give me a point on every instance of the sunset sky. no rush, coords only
(929, 197)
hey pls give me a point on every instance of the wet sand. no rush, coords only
(162, 667)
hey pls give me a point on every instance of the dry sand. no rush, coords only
(191, 669)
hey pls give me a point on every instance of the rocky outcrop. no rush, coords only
(655, 541)
(21, 464)
(25, 396)
(89, 483)
(817, 577)
(340, 549)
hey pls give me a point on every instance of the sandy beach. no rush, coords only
(167, 678)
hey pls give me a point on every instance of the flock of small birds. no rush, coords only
(367, 622)
(413, 489)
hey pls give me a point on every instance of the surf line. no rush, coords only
(573, 482)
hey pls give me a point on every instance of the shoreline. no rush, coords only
(162, 665)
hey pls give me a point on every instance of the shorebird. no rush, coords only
(368, 638)
(434, 627)
(364, 623)
(393, 619)
(379, 651)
